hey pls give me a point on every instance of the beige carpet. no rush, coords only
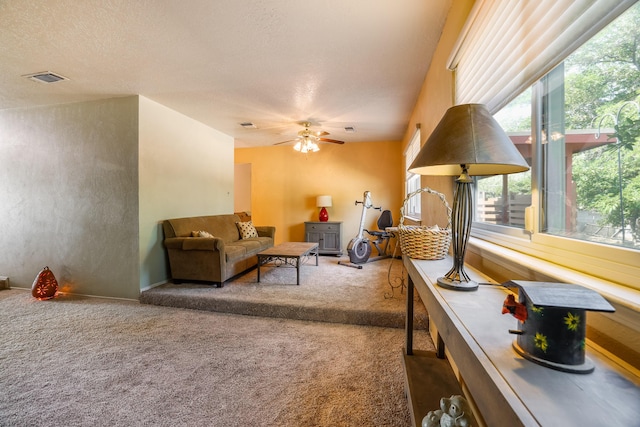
(329, 292)
(77, 361)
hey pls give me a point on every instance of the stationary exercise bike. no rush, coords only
(359, 249)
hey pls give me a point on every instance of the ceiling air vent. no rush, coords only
(248, 125)
(46, 77)
(350, 129)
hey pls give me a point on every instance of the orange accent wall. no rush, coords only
(285, 183)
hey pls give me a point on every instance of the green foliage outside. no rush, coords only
(518, 184)
(602, 90)
(516, 117)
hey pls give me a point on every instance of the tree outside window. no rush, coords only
(589, 145)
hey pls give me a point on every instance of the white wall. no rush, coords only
(84, 187)
(69, 196)
(185, 169)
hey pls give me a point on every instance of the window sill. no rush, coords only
(616, 265)
(613, 292)
(412, 220)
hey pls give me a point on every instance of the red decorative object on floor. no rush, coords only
(45, 286)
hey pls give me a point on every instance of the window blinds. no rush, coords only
(506, 45)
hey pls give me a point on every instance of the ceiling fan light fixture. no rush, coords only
(306, 145)
(308, 141)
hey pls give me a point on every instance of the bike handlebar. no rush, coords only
(374, 207)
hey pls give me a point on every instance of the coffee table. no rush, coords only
(289, 253)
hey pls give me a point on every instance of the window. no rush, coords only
(412, 181)
(502, 199)
(579, 129)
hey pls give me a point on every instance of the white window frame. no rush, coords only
(412, 180)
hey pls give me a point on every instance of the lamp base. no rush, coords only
(457, 285)
(324, 215)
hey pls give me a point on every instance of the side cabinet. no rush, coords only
(328, 236)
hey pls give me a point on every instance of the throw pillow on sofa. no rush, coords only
(247, 230)
(201, 233)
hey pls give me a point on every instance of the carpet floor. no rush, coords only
(79, 361)
(325, 353)
(329, 292)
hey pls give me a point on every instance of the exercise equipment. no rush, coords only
(359, 248)
(382, 236)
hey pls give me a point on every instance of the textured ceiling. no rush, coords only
(274, 63)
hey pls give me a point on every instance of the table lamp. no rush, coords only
(323, 202)
(467, 142)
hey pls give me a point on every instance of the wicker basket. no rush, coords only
(422, 242)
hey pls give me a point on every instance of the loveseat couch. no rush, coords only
(219, 257)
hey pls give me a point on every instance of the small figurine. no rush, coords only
(518, 310)
(454, 412)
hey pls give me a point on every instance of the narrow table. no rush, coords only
(505, 388)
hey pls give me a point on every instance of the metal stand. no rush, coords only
(462, 216)
(350, 264)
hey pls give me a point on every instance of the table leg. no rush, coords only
(259, 262)
(440, 347)
(409, 319)
(298, 271)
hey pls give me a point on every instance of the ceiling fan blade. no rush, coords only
(321, 133)
(335, 141)
(284, 142)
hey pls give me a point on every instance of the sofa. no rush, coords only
(213, 248)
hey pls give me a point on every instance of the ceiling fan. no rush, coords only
(307, 140)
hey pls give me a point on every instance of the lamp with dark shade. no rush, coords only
(467, 142)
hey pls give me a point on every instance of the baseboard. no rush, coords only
(153, 285)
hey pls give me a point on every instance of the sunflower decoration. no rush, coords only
(540, 341)
(572, 321)
(537, 310)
